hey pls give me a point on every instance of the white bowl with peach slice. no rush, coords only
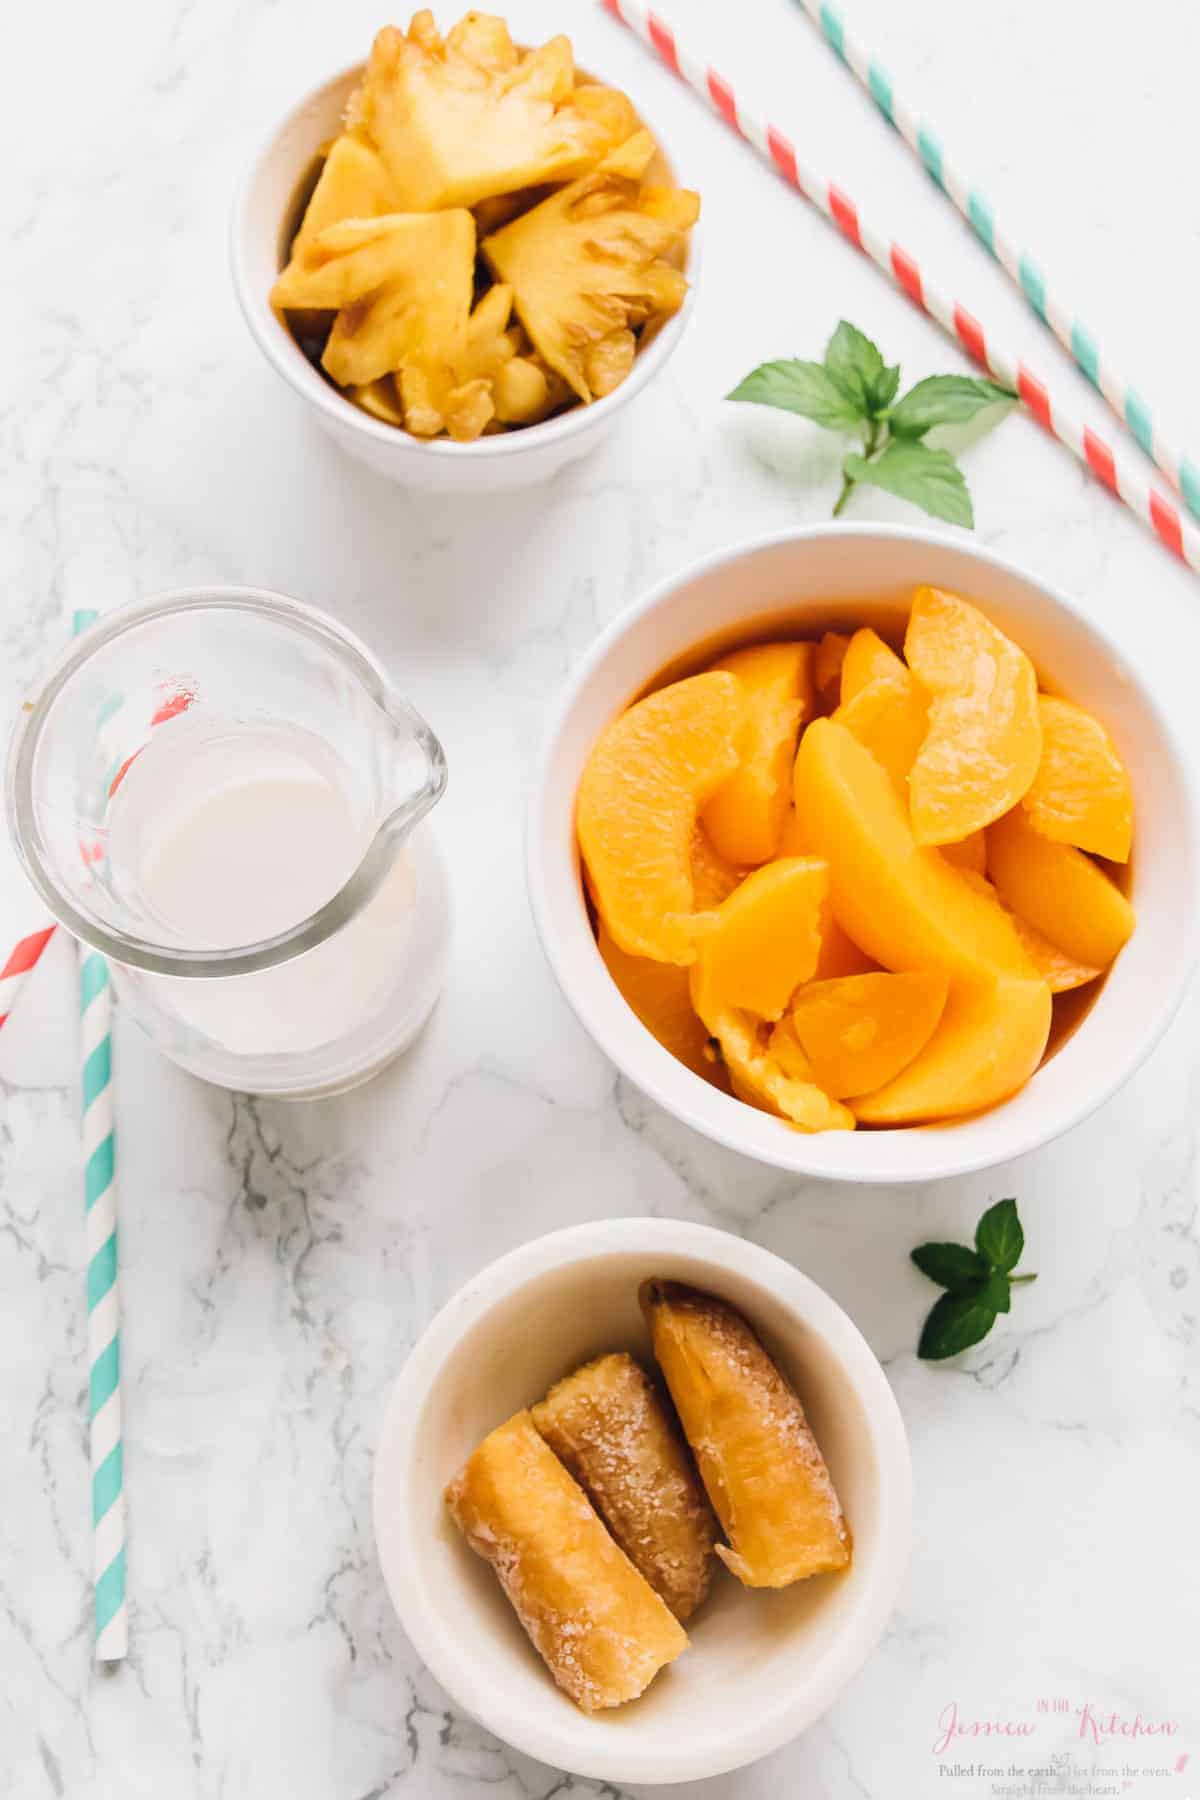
(862, 851)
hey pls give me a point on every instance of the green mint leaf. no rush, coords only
(997, 1291)
(806, 388)
(956, 1322)
(883, 389)
(855, 363)
(943, 400)
(952, 1266)
(930, 479)
(999, 1236)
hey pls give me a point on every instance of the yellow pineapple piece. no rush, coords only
(353, 184)
(469, 116)
(457, 398)
(589, 262)
(402, 284)
(526, 391)
(380, 399)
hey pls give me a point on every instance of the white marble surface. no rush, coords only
(277, 1263)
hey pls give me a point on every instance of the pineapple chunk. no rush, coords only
(353, 184)
(379, 398)
(458, 397)
(461, 119)
(402, 284)
(588, 263)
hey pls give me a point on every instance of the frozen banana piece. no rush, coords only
(613, 1431)
(757, 1457)
(599, 1626)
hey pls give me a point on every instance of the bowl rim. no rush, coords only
(804, 1299)
(797, 1152)
(289, 361)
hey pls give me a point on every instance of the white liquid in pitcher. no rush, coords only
(221, 836)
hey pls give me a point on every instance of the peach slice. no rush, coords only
(868, 659)
(646, 779)
(660, 996)
(785, 1048)
(902, 904)
(1059, 891)
(766, 938)
(859, 1032)
(891, 717)
(985, 732)
(1060, 972)
(827, 666)
(839, 954)
(989, 1042)
(969, 853)
(745, 817)
(754, 1074)
(713, 879)
(1081, 793)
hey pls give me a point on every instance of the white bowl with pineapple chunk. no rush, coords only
(266, 214)
(802, 583)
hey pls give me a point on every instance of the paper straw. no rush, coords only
(1070, 330)
(1149, 504)
(103, 1299)
(23, 959)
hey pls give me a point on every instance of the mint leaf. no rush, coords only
(883, 389)
(952, 1266)
(943, 400)
(999, 1236)
(997, 1291)
(931, 479)
(855, 363)
(956, 1322)
(801, 387)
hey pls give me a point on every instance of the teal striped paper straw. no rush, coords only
(104, 1313)
(1126, 402)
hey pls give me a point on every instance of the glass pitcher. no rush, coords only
(220, 790)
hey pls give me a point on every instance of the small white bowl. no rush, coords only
(262, 213)
(840, 576)
(761, 1666)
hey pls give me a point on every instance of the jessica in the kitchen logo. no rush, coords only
(1094, 1724)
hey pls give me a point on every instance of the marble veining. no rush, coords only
(278, 1262)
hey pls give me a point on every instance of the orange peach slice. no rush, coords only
(785, 1048)
(766, 938)
(1060, 972)
(868, 659)
(970, 853)
(985, 732)
(660, 996)
(755, 1075)
(839, 954)
(1081, 793)
(642, 788)
(891, 717)
(1059, 891)
(827, 666)
(902, 904)
(859, 1032)
(713, 879)
(745, 816)
(989, 1042)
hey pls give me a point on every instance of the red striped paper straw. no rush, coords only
(1150, 505)
(1077, 340)
(23, 959)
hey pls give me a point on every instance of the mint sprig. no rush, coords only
(853, 389)
(978, 1282)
